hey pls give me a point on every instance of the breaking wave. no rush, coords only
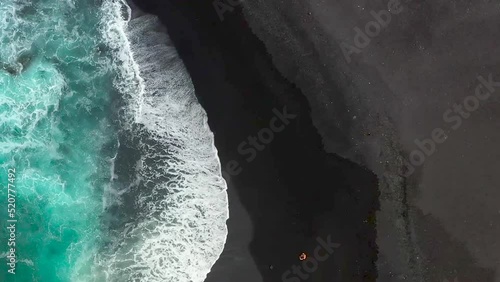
(117, 175)
(177, 229)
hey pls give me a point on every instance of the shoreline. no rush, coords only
(145, 36)
(395, 92)
(293, 191)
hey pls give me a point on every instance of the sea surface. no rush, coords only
(113, 168)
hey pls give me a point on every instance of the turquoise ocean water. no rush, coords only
(76, 84)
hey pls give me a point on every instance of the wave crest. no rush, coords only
(180, 198)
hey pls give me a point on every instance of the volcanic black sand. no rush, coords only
(293, 192)
(420, 65)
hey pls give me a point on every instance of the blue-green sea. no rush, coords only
(112, 168)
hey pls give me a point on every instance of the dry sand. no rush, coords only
(443, 221)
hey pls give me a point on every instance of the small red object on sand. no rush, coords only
(302, 256)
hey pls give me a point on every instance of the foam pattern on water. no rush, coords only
(55, 87)
(179, 195)
(79, 84)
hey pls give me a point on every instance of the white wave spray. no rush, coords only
(180, 195)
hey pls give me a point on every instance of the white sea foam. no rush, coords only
(182, 200)
(28, 98)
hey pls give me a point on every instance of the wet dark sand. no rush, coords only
(293, 191)
(442, 222)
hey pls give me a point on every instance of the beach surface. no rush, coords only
(433, 214)
(291, 196)
(418, 77)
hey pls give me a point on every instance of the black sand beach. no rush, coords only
(419, 68)
(438, 222)
(293, 192)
